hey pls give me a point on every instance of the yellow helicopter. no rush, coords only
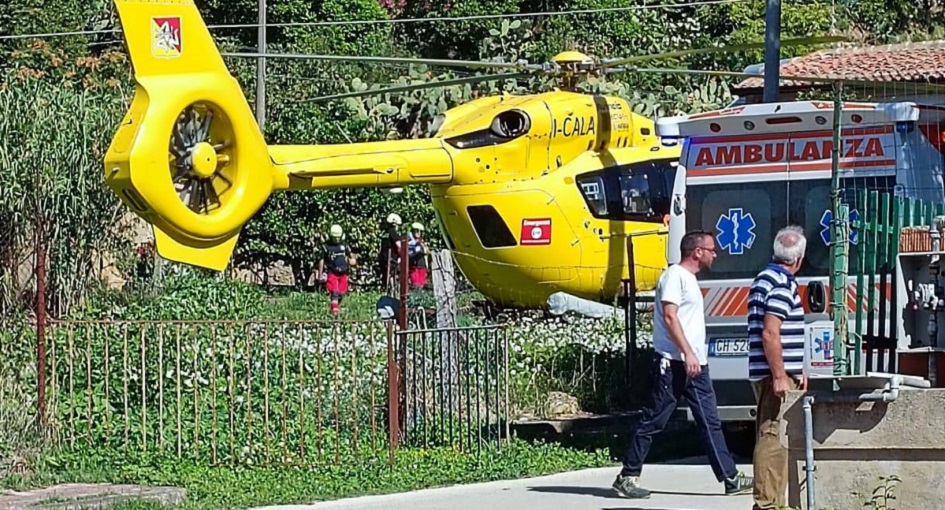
(534, 194)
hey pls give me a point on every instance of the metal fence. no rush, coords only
(886, 222)
(231, 392)
(455, 387)
(274, 392)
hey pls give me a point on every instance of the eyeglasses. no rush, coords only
(707, 248)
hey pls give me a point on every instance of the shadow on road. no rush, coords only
(684, 493)
(636, 508)
(700, 460)
(600, 492)
(608, 493)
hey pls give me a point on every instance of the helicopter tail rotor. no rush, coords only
(188, 157)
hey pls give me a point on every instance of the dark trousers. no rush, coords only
(670, 382)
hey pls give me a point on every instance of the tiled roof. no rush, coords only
(892, 63)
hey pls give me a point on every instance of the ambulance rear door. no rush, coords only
(870, 151)
(741, 202)
(752, 170)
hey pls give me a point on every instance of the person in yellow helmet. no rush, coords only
(417, 251)
(339, 259)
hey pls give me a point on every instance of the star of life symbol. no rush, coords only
(827, 218)
(736, 231)
(823, 344)
(166, 37)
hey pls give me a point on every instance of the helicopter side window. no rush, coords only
(646, 190)
(592, 187)
(490, 227)
(635, 194)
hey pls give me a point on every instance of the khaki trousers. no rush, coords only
(770, 458)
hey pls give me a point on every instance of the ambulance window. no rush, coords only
(809, 205)
(592, 187)
(743, 218)
(490, 227)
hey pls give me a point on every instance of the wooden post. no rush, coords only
(41, 327)
(444, 289)
(40, 247)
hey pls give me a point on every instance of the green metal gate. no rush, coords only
(887, 225)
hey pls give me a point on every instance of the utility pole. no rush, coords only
(772, 51)
(839, 248)
(261, 68)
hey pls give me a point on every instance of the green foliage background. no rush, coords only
(61, 99)
(87, 80)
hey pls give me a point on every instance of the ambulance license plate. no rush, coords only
(729, 347)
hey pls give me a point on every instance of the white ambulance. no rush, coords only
(747, 171)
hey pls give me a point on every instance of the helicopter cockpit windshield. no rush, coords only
(635, 192)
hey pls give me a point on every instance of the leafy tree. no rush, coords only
(450, 39)
(51, 183)
(290, 226)
(892, 21)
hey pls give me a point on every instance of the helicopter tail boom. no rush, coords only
(188, 156)
(372, 164)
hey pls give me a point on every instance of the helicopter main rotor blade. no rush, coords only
(472, 64)
(419, 86)
(809, 79)
(717, 49)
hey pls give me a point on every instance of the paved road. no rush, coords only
(682, 485)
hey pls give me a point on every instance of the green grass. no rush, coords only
(357, 305)
(295, 305)
(220, 487)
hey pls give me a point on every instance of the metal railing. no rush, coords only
(455, 387)
(275, 392)
(247, 392)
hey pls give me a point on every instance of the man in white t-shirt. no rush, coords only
(681, 369)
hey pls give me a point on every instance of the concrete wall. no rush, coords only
(857, 443)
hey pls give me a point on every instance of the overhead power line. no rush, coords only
(644, 7)
(48, 35)
(694, 3)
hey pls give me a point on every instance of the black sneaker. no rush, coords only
(739, 484)
(629, 487)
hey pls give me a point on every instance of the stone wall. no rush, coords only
(855, 444)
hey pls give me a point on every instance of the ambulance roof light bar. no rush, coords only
(782, 117)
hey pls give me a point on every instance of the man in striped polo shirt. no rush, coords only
(776, 360)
